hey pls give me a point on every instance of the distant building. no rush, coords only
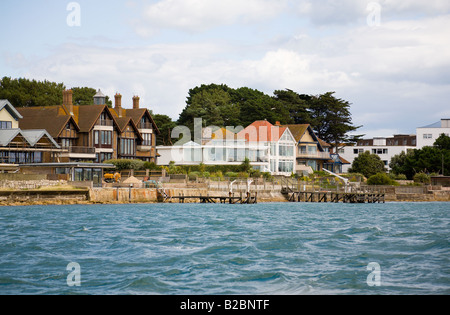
(426, 136)
(385, 148)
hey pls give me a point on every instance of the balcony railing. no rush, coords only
(108, 123)
(81, 150)
(146, 126)
(314, 155)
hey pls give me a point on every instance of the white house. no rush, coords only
(385, 148)
(269, 149)
(426, 136)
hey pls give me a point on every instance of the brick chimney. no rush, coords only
(278, 124)
(68, 101)
(136, 102)
(118, 105)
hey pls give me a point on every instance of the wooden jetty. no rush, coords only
(336, 197)
(248, 198)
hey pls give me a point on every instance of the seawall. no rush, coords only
(142, 195)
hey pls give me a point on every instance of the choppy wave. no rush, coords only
(226, 249)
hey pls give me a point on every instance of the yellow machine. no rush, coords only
(112, 178)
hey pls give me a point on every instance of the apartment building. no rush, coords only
(426, 136)
(385, 148)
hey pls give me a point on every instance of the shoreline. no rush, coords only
(125, 196)
(278, 199)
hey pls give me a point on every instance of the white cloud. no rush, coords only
(399, 69)
(201, 15)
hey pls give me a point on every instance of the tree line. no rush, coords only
(220, 105)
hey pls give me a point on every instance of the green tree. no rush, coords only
(246, 166)
(367, 164)
(165, 125)
(443, 142)
(397, 163)
(27, 93)
(296, 104)
(207, 104)
(331, 118)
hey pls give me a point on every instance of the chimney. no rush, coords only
(136, 102)
(278, 124)
(118, 106)
(68, 101)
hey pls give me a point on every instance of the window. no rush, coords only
(286, 150)
(103, 138)
(380, 151)
(358, 151)
(66, 143)
(127, 147)
(286, 166)
(273, 149)
(428, 136)
(303, 149)
(96, 137)
(106, 137)
(147, 139)
(5, 125)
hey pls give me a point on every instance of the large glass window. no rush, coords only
(147, 139)
(286, 166)
(286, 150)
(78, 176)
(127, 147)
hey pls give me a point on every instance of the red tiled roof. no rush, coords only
(262, 130)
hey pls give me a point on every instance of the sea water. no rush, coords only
(263, 249)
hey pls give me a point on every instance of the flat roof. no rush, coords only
(72, 164)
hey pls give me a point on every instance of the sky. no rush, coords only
(389, 58)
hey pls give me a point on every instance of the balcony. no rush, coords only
(146, 126)
(79, 153)
(81, 150)
(107, 123)
(314, 155)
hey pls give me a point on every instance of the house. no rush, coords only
(147, 130)
(92, 133)
(269, 148)
(426, 136)
(23, 146)
(9, 116)
(276, 146)
(312, 154)
(384, 147)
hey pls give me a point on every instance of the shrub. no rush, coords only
(422, 178)
(231, 174)
(121, 165)
(381, 179)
